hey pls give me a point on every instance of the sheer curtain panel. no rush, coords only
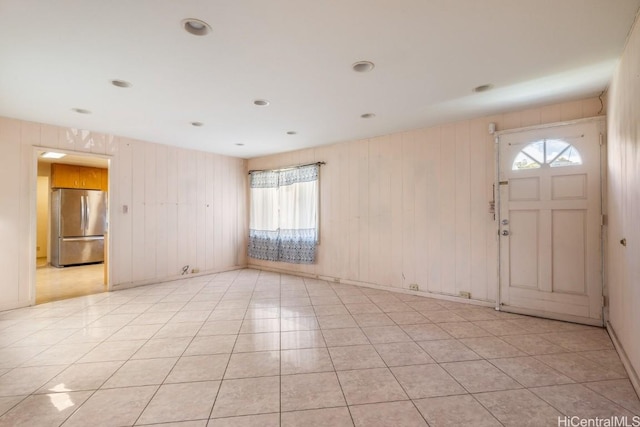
(283, 224)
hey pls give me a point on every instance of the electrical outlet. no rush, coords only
(414, 287)
(195, 270)
(336, 280)
(464, 294)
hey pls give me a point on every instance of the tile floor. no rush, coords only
(249, 348)
(53, 284)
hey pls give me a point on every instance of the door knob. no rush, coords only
(505, 222)
(505, 232)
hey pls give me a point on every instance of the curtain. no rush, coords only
(283, 224)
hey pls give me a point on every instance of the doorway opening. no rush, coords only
(71, 226)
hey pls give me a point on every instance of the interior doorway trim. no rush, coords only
(33, 184)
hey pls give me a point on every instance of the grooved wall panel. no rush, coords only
(184, 207)
(623, 210)
(412, 207)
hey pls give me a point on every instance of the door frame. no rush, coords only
(33, 220)
(602, 121)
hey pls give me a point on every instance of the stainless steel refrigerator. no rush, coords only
(78, 223)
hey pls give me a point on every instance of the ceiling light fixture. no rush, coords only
(261, 102)
(483, 88)
(196, 27)
(363, 66)
(367, 115)
(197, 124)
(120, 83)
(52, 155)
(292, 132)
(81, 111)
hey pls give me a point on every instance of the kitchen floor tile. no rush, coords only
(420, 381)
(180, 402)
(248, 365)
(213, 344)
(387, 414)
(311, 391)
(385, 334)
(403, 353)
(519, 408)
(461, 410)
(355, 357)
(306, 360)
(257, 342)
(247, 396)
(264, 420)
(82, 376)
(618, 391)
(448, 351)
(21, 381)
(141, 372)
(479, 375)
(334, 417)
(296, 351)
(530, 372)
(301, 339)
(578, 368)
(209, 367)
(44, 409)
(574, 399)
(370, 386)
(112, 407)
(163, 347)
(344, 337)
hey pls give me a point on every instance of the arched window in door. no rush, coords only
(547, 153)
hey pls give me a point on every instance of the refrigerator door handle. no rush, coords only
(82, 225)
(87, 213)
(81, 239)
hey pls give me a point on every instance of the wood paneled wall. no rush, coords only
(413, 207)
(623, 149)
(184, 207)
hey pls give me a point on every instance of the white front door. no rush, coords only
(550, 221)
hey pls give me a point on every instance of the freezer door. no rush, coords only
(95, 206)
(80, 250)
(71, 214)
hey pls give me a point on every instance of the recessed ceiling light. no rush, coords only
(363, 66)
(261, 102)
(81, 111)
(52, 155)
(483, 88)
(239, 144)
(120, 83)
(196, 27)
(197, 124)
(292, 132)
(367, 115)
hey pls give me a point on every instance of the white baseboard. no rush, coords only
(633, 375)
(336, 280)
(121, 286)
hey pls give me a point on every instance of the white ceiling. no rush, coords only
(429, 54)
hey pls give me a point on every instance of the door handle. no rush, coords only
(82, 216)
(505, 232)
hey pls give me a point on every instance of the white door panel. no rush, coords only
(550, 210)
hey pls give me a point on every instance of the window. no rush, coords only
(283, 224)
(547, 153)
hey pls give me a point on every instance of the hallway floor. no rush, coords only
(250, 348)
(53, 284)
